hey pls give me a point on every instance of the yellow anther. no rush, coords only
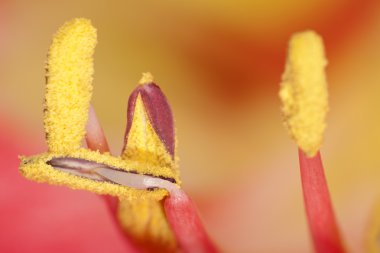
(303, 91)
(68, 90)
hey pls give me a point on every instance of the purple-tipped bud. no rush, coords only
(158, 112)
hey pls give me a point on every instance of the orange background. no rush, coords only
(219, 63)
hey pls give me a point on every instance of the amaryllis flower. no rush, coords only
(238, 215)
(146, 171)
(144, 174)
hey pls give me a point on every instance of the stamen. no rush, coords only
(304, 97)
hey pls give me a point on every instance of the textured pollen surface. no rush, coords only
(303, 91)
(36, 169)
(68, 90)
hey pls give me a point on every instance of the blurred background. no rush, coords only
(220, 64)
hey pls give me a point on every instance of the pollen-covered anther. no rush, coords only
(69, 85)
(303, 91)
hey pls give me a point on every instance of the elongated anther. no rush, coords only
(69, 85)
(304, 91)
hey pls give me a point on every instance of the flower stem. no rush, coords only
(319, 210)
(186, 224)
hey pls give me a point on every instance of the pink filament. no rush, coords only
(95, 137)
(320, 214)
(186, 224)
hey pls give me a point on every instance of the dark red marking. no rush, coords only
(159, 114)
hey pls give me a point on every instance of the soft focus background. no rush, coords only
(219, 63)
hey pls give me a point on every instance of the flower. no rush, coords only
(227, 57)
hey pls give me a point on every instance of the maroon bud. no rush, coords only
(158, 111)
